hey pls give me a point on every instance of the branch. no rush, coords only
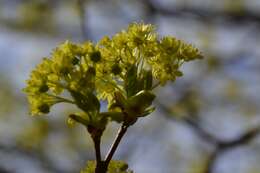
(220, 145)
(200, 131)
(96, 137)
(97, 149)
(3, 170)
(191, 123)
(82, 15)
(46, 163)
(203, 13)
(242, 140)
(115, 144)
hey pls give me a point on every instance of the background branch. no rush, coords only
(223, 147)
(203, 13)
(83, 20)
(41, 158)
(220, 145)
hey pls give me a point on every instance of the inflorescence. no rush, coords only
(122, 70)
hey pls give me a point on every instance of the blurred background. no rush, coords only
(208, 121)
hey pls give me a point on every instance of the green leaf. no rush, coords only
(142, 99)
(138, 103)
(131, 81)
(148, 79)
(88, 102)
(120, 99)
(147, 112)
(114, 116)
(79, 119)
(114, 167)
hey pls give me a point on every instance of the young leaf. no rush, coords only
(78, 119)
(87, 102)
(114, 116)
(147, 112)
(140, 101)
(131, 81)
(147, 80)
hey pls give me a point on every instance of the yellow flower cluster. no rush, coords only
(115, 166)
(122, 70)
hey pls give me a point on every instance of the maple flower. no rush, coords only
(122, 70)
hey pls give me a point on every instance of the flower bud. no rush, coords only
(64, 70)
(95, 56)
(91, 71)
(75, 61)
(178, 73)
(44, 88)
(116, 69)
(44, 108)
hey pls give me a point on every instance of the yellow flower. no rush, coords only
(130, 62)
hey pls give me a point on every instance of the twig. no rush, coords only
(97, 149)
(191, 123)
(82, 15)
(201, 132)
(203, 13)
(115, 144)
(33, 155)
(220, 145)
(155, 85)
(3, 170)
